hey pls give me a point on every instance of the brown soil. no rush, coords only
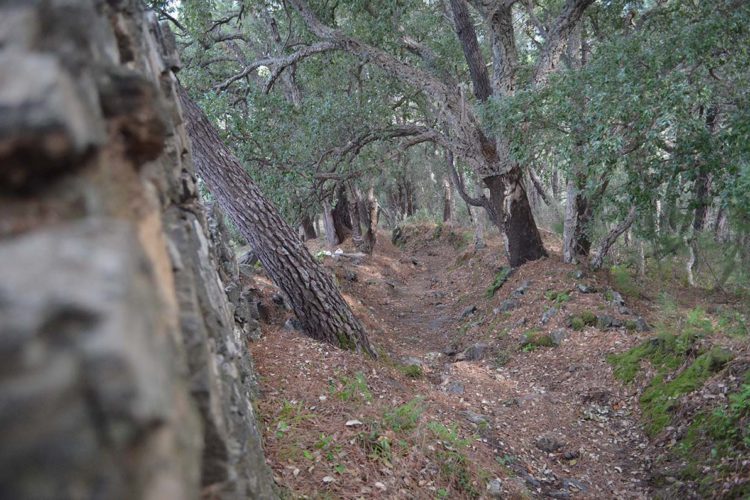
(507, 406)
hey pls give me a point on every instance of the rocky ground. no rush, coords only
(475, 394)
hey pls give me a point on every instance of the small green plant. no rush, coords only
(557, 297)
(500, 278)
(352, 388)
(290, 415)
(501, 359)
(624, 281)
(404, 417)
(411, 371)
(453, 462)
(376, 444)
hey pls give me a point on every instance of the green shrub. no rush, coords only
(404, 417)
(500, 278)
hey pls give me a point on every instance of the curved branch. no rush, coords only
(458, 181)
(598, 258)
(278, 63)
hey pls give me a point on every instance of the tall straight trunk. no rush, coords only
(410, 201)
(314, 297)
(447, 200)
(308, 228)
(328, 226)
(342, 223)
(372, 211)
(354, 216)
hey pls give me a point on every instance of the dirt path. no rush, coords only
(555, 416)
(549, 422)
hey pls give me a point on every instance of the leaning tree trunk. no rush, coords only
(509, 210)
(314, 298)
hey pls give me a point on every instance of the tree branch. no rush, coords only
(598, 256)
(278, 63)
(557, 37)
(458, 181)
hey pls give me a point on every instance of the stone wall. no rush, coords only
(124, 372)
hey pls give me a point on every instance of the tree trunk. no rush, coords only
(447, 200)
(509, 210)
(331, 238)
(342, 223)
(359, 242)
(308, 229)
(314, 297)
(372, 210)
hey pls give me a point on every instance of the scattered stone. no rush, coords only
(615, 298)
(605, 321)
(380, 486)
(432, 357)
(468, 311)
(548, 315)
(451, 350)
(475, 418)
(278, 299)
(353, 423)
(475, 352)
(578, 275)
(293, 325)
(529, 479)
(558, 336)
(571, 455)
(328, 480)
(505, 306)
(585, 288)
(521, 322)
(559, 494)
(549, 443)
(521, 290)
(495, 488)
(641, 325)
(574, 483)
(455, 388)
(350, 276)
(412, 361)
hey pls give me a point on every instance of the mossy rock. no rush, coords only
(581, 320)
(536, 338)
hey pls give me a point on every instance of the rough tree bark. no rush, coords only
(447, 200)
(314, 297)
(372, 212)
(308, 228)
(342, 223)
(331, 238)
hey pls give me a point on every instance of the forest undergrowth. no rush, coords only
(547, 381)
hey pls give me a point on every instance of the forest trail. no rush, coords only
(547, 421)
